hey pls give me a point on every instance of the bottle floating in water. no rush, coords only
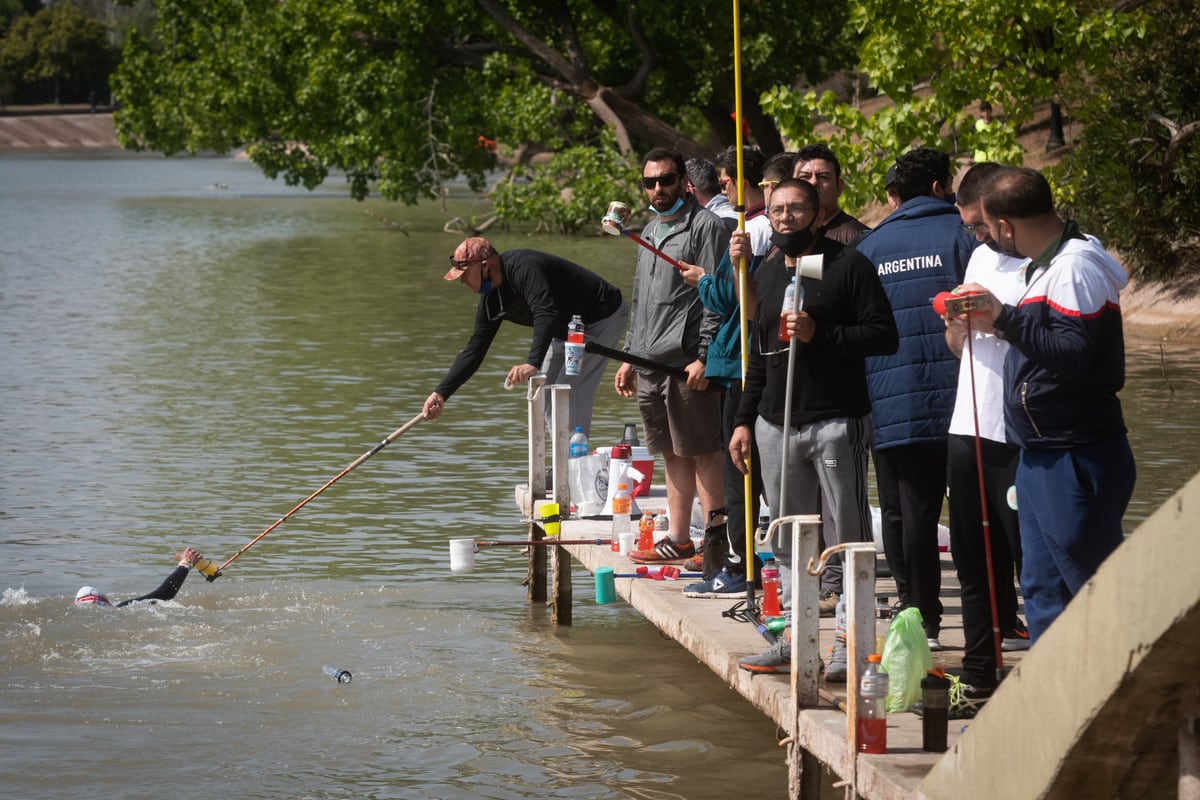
(338, 674)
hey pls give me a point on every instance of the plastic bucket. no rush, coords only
(643, 462)
(462, 555)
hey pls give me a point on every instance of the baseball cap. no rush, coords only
(890, 178)
(470, 251)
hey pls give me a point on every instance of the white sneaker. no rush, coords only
(934, 644)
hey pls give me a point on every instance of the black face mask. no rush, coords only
(793, 244)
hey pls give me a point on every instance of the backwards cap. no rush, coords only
(474, 250)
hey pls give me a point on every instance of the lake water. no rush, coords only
(187, 350)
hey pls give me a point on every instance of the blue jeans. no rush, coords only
(1070, 504)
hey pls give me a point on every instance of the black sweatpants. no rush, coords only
(970, 554)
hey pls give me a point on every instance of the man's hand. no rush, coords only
(739, 246)
(739, 448)
(626, 381)
(189, 557)
(695, 376)
(691, 274)
(981, 320)
(800, 326)
(433, 406)
(521, 373)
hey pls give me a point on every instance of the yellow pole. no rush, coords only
(747, 485)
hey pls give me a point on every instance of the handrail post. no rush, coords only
(804, 770)
(535, 581)
(560, 564)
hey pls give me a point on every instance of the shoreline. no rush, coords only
(1161, 311)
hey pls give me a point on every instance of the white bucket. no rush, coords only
(462, 555)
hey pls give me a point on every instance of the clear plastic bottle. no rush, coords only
(621, 505)
(337, 673)
(578, 446)
(770, 585)
(872, 708)
(646, 532)
(573, 350)
(789, 299)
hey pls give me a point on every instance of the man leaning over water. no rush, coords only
(541, 291)
(1061, 377)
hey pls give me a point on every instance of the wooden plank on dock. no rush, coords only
(718, 642)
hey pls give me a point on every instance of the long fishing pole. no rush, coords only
(983, 511)
(614, 224)
(637, 361)
(391, 437)
(743, 318)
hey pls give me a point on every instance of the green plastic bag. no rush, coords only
(906, 659)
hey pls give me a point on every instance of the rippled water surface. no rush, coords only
(187, 350)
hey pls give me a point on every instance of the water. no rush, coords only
(187, 350)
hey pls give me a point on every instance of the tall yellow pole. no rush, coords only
(742, 269)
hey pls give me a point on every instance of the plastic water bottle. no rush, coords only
(578, 446)
(337, 673)
(621, 505)
(872, 710)
(789, 299)
(574, 347)
(935, 713)
(646, 532)
(770, 584)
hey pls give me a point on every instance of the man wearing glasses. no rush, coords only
(541, 291)
(668, 324)
(844, 317)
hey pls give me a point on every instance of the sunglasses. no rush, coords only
(466, 263)
(666, 180)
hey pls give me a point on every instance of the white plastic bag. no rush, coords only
(588, 476)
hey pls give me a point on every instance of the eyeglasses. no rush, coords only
(972, 228)
(466, 262)
(666, 180)
(789, 210)
(767, 184)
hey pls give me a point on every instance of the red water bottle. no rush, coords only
(573, 352)
(872, 711)
(770, 584)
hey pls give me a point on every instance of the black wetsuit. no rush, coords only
(166, 590)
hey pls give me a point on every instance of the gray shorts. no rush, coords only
(679, 419)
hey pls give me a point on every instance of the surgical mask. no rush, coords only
(793, 244)
(672, 210)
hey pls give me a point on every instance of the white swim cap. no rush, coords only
(90, 594)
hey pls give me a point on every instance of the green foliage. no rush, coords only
(572, 191)
(934, 60)
(1130, 192)
(397, 95)
(58, 54)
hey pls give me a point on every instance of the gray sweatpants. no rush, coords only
(824, 458)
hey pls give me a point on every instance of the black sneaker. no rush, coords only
(1015, 638)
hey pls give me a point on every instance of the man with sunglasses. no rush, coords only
(668, 324)
(844, 317)
(541, 291)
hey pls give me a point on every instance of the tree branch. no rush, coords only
(1180, 136)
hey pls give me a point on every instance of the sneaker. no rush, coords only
(665, 551)
(775, 660)
(695, 563)
(965, 699)
(934, 644)
(835, 670)
(828, 602)
(721, 585)
(1015, 638)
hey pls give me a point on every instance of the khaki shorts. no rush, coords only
(679, 419)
